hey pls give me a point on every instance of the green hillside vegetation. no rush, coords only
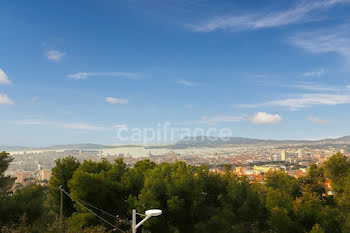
(193, 199)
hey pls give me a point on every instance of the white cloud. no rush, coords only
(74, 125)
(85, 75)
(304, 100)
(33, 122)
(112, 100)
(317, 120)
(3, 78)
(266, 118)
(82, 126)
(4, 99)
(222, 118)
(315, 87)
(315, 73)
(252, 21)
(54, 55)
(188, 83)
(121, 126)
(325, 41)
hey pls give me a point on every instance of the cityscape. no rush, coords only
(251, 160)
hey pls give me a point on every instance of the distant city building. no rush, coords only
(45, 174)
(283, 155)
(265, 168)
(301, 153)
(21, 176)
(275, 157)
(239, 170)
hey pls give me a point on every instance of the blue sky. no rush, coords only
(74, 71)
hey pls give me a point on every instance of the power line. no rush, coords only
(65, 192)
(141, 214)
(116, 216)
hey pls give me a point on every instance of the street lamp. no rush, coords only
(149, 213)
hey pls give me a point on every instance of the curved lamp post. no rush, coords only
(149, 214)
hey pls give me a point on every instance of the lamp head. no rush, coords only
(153, 212)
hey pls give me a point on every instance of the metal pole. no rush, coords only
(61, 208)
(133, 221)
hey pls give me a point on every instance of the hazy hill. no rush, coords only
(202, 141)
(187, 142)
(85, 146)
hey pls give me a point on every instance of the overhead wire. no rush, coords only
(104, 220)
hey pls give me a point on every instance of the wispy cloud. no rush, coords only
(121, 126)
(325, 41)
(317, 120)
(258, 118)
(265, 118)
(85, 75)
(82, 126)
(315, 73)
(216, 119)
(188, 83)
(310, 86)
(74, 125)
(112, 100)
(304, 101)
(33, 122)
(301, 13)
(4, 99)
(54, 55)
(4, 78)
(222, 119)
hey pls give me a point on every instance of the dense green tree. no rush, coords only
(6, 182)
(192, 198)
(133, 179)
(99, 184)
(170, 187)
(21, 227)
(308, 210)
(314, 180)
(61, 174)
(343, 201)
(317, 229)
(337, 168)
(28, 201)
(281, 180)
(280, 221)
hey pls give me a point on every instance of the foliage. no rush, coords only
(192, 198)
(5, 181)
(61, 174)
(22, 227)
(337, 168)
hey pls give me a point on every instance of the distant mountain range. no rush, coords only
(204, 141)
(187, 142)
(86, 146)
